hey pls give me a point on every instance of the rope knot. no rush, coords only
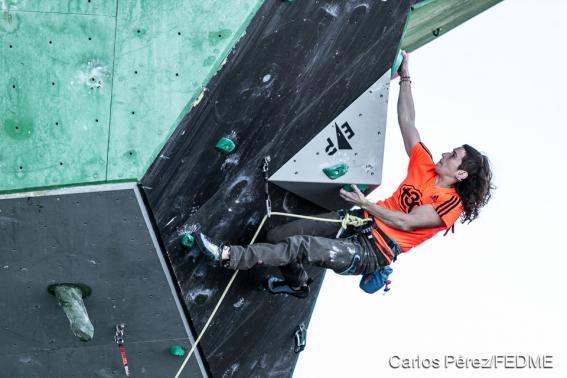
(351, 220)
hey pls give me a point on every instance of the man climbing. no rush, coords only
(430, 199)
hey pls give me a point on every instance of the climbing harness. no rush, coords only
(119, 339)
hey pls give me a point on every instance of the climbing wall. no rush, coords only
(91, 90)
(97, 236)
(299, 65)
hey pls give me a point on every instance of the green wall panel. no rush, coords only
(55, 95)
(166, 53)
(430, 19)
(96, 7)
(69, 107)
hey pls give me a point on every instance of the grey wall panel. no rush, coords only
(354, 139)
(100, 239)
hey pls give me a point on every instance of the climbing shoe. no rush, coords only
(213, 249)
(277, 285)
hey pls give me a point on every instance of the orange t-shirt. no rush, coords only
(418, 188)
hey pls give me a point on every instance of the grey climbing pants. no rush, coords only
(291, 245)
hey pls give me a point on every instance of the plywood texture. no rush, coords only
(297, 67)
(166, 52)
(71, 113)
(430, 19)
(99, 239)
(55, 92)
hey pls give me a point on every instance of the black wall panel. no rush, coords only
(297, 67)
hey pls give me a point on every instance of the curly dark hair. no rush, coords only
(476, 189)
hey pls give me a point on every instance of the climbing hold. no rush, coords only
(397, 63)
(177, 350)
(70, 298)
(188, 240)
(336, 171)
(361, 187)
(225, 145)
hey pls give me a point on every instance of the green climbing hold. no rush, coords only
(336, 171)
(361, 187)
(177, 350)
(188, 241)
(397, 63)
(225, 145)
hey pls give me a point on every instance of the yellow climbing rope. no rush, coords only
(348, 220)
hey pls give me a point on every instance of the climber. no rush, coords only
(430, 199)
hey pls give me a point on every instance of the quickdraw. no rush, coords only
(119, 339)
(300, 336)
(266, 171)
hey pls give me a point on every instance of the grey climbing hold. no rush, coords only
(70, 298)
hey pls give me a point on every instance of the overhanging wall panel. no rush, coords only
(165, 54)
(56, 89)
